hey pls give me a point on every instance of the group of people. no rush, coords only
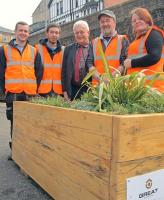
(50, 69)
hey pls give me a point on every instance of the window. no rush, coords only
(93, 10)
(57, 9)
(77, 4)
(61, 7)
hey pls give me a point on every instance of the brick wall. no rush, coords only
(109, 3)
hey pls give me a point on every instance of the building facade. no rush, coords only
(41, 13)
(62, 11)
(5, 35)
(156, 7)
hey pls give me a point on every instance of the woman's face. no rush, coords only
(138, 24)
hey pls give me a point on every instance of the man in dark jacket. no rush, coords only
(74, 67)
(20, 70)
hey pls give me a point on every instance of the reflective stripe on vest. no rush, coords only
(50, 81)
(20, 81)
(149, 77)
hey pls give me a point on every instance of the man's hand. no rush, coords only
(96, 74)
(66, 96)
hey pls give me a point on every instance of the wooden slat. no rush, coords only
(137, 136)
(57, 121)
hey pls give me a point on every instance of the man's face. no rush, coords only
(107, 25)
(22, 33)
(81, 35)
(53, 35)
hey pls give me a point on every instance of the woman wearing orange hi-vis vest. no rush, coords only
(20, 70)
(52, 55)
(146, 52)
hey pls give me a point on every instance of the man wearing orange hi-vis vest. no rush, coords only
(112, 44)
(20, 70)
(51, 53)
(146, 52)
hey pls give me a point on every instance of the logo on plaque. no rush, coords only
(149, 183)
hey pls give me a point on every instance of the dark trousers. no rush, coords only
(10, 98)
(77, 91)
(9, 115)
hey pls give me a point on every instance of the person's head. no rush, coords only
(107, 21)
(141, 19)
(21, 32)
(81, 32)
(53, 33)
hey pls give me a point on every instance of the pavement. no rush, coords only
(14, 185)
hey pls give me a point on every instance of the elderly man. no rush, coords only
(74, 66)
(112, 44)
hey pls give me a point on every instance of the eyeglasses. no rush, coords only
(80, 33)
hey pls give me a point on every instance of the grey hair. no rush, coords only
(81, 23)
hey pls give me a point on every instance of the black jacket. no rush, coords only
(50, 51)
(68, 67)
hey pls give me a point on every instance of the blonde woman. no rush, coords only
(146, 51)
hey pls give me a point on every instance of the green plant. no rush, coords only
(53, 101)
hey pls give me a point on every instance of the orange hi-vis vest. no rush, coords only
(51, 79)
(138, 49)
(112, 53)
(20, 72)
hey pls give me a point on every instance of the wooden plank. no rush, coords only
(61, 152)
(58, 186)
(121, 171)
(70, 152)
(137, 136)
(57, 121)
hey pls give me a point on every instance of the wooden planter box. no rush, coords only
(80, 155)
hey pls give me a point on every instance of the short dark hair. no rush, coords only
(53, 25)
(20, 23)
